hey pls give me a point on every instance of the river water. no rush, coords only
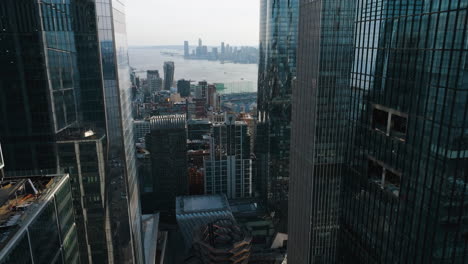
(237, 77)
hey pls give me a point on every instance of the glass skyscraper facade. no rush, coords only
(320, 103)
(117, 96)
(277, 69)
(379, 153)
(65, 67)
(405, 190)
(167, 143)
(38, 80)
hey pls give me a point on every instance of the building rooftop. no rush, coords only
(237, 123)
(192, 212)
(247, 207)
(199, 122)
(168, 122)
(201, 203)
(20, 200)
(81, 134)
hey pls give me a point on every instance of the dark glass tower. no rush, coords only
(63, 72)
(277, 69)
(105, 44)
(379, 164)
(405, 193)
(167, 143)
(169, 70)
(39, 87)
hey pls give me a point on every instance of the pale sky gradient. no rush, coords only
(170, 22)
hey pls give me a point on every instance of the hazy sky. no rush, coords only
(170, 22)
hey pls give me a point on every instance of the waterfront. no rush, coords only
(242, 77)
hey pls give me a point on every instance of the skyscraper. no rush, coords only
(103, 57)
(38, 87)
(277, 69)
(64, 72)
(228, 169)
(186, 49)
(167, 143)
(320, 106)
(121, 150)
(81, 154)
(154, 82)
(379, 133)
(169, 70)
(183, 87)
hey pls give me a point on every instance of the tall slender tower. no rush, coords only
(169, 70)
(112, 58)
(277, 69)
(378, 172)
(320, 107)
(186, 49)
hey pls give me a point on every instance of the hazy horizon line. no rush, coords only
(181, 45)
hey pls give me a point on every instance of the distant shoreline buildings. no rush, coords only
(224, 53)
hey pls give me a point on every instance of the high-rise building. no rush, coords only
(154, 82)
(37, 221)
(34, 73)
(167, 143)
(204, 50)
(212, 98)
(183, 88)
(378, 171)
(201, 90)
(81, 153)
(319, 129)
(186, 49)
(223, 48)
(214, 53)
(228, 169)
(169, 70)
(277, 69)
(74, 75)
(112, 79)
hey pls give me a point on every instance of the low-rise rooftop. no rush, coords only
(20, 199)
(201, 203)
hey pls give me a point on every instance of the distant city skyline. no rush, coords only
(162, 23)
(192, 44)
